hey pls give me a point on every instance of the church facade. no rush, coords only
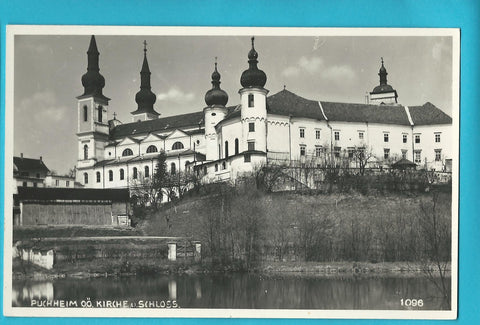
(221, 142)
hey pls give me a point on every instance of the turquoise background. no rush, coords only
(340, 13)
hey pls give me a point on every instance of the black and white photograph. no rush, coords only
(231, 172)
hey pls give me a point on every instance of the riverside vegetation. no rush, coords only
(353, 226)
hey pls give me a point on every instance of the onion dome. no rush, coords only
(216, 96)
(383, 87)
(253, 77)
(145, 98)
(92, 81)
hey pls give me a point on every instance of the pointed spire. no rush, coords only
(145, 72)
(92, 81)
(93, 55)
(383, 74)
(145, 98)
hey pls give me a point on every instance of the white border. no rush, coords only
(13, 30)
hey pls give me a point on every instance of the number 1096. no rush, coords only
(411, 302)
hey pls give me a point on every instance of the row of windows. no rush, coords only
(128, 152)
(173, 171)
(100, 113)
(319, 151)
(302, 133)
(226, 148)
(152, 149)
(361, 136)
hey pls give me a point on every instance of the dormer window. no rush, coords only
(127, 152)
(151, 149)
(177, 145)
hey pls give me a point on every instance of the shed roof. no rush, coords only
(74, 194)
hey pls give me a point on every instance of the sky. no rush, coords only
(48, 71)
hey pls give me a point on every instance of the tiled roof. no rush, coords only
(347, 112)
(46, 194)
(158, 125)
(24, 164)
(428, 114)
(289, 104)
(286, 103)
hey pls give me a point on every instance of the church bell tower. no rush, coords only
(253, 98)
(92, 108)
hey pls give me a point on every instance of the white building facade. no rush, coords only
(222, 142)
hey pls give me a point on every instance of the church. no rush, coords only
(222, 142)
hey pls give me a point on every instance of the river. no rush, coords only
(243, 291)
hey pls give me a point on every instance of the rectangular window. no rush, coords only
(250, 100)
(361, 135)
(246, 157)
(417, 138)
(385, 137)
(404, 138)
(437, 137)
(302, 133)
(350, 152)
(303, 150)
(336, 135)
(24, 184)
(34, 184)
(251, 127)
(438, 154)
(251, 145)
(336, 151)
(57, 182)
(318, 151)
(67, 183)
(418, 156)
(404, 154)
(386, 153)
(317, 134)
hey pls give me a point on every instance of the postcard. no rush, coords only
(231, 172)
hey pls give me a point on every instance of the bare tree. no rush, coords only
(149, 190)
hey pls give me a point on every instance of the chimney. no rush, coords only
(21, 155)
(41, 159)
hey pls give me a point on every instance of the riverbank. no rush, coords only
(141, 267)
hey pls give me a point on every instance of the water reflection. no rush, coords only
(241, 291)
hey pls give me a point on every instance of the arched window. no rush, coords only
(224, 165)
(100, 111)
(173, 168)
(85, 178)
(110, 175)
(226, 149)
(98, 177)
(151, 149)
(216, 167)
(236, 146)
(85, 152)
(147, 171)
(127, 152)
(135, 173)
(250, 100)
(177, 145)
(122, 174)
(85, 113)
(186, 164)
